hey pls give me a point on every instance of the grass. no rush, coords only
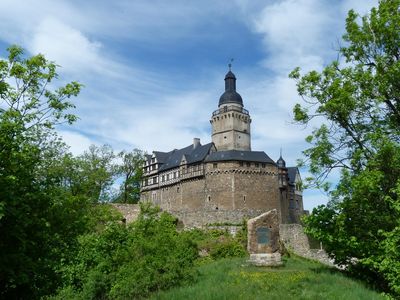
(297, 279)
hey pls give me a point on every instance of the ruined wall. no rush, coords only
(130, 212)
(295, 240)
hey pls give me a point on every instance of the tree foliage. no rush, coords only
(357, 102)
(130, 169)
(31, 230)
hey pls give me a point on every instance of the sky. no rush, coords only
(153, 71)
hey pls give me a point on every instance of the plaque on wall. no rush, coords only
(262, 235)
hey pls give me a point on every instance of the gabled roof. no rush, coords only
(253, 156)
(172, 159)
(292, 172)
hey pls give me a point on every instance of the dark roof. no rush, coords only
(281, 162)
(172, 159)
(254, 156)
(230, 95)
(230, 75)
(292, 171)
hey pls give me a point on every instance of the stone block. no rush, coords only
(263, 233)
(266, 259)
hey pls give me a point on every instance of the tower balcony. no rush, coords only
(229, 108)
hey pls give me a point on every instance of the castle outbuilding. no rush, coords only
(223, 181)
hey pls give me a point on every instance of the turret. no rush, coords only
(231, 122)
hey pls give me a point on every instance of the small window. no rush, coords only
(163, 178)
(257, 165)
(244, 198)
(215, 165)
(154, 180)
(209, 198)
(241, 164)
(177, 189)
(248, 164)
(263, 165)
(224, 137)
(167, 176)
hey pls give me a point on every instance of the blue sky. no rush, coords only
(153, 70)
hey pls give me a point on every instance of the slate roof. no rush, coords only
(172, 159)
(292, 171)
(253, 156)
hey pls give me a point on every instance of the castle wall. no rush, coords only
(227, 193)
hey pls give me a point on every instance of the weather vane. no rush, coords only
(230, 64)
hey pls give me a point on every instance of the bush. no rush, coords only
(216, 244)
(125, 262)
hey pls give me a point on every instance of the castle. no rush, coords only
(223, 181)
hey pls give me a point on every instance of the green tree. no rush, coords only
(30, 110)
(130, 169)
(358, 104)
(97, 170)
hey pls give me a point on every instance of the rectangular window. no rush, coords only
(256, 165)
(241, 163)
(248, 164)
(154, 180)
(167, 176)
(263, 165)
(215, 165)
(163, 178)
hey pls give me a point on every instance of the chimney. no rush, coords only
(196, 143)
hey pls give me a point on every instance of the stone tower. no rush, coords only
(231, 122)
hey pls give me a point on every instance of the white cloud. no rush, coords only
(77, 142)
(295, 33)
(67, 46)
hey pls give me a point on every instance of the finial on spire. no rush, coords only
(230, 64)
(281, 152)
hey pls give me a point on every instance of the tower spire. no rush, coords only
(230, 65)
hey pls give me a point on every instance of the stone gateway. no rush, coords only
(223, 181)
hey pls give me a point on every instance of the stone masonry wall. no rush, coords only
(295, 240)
(130, 212)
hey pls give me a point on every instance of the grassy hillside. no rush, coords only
(297, 279)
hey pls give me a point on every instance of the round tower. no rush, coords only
(231, 122)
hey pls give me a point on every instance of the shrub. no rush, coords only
(125, 262)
